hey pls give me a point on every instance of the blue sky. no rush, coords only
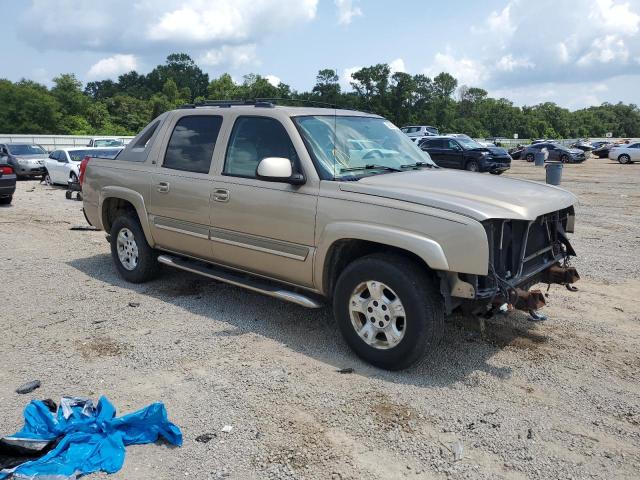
(573, 52)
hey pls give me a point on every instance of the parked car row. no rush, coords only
(62, 166)
(26, 160)
(556, 152)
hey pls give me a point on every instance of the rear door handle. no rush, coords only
(221, 195)
(163, 187)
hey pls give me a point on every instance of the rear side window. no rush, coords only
(255, 138)
(192, 142)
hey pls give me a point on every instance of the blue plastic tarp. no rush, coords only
(90, 439)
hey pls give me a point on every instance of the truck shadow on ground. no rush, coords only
(313, 333)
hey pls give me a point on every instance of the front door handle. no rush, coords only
(221, 195)
(163, 187)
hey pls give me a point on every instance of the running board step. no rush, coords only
(254, 284)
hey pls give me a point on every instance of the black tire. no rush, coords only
(472, 166)
(147, 266)
(529, 158)
(497, 172)
(565, 159)
(6, 200)
(624, 159)
(67, 194)
(47, 179)
(423, 307)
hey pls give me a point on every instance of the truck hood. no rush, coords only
(471, 194)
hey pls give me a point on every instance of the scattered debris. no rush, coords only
(457, 449)
(227, 429)
(529, 434)
(28, 387)
(620, 309)
(134, 304)
(345, 370)
(84, 439)
(83, 228)
(205, 437)
(536, 316)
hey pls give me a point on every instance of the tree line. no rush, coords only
(125, 106)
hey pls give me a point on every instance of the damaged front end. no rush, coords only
(522, 254)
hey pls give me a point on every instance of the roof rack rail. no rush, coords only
(265, 103)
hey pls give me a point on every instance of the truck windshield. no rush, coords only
(346, 146)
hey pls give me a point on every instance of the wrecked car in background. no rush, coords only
(557, 153)
(270, 198)
(26, 159)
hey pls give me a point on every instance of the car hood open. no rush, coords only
(471, 194)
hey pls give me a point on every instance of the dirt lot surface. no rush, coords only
(559, 399)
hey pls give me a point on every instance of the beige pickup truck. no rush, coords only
(316, 206)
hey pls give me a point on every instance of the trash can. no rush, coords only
(540, 157)
(554, 173)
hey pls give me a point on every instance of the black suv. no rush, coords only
(466, 154)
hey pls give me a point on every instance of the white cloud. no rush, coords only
(616, 17)
(501, 21)
(231, 55)
(346, 11)
(397, 65)
(273, 80)
(346, 77)
(139, 26)
(508, 63)
(466, 70)
(607, 49)
(111, 67)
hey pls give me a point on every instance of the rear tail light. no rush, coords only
(83, 167)
(6, 170)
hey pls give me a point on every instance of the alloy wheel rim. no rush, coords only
(127, 249)
(377, 315)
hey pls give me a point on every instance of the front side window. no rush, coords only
(384, 147)
(253, 139)
(192, 142)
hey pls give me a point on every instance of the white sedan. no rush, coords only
(63, 165)
(627, 153)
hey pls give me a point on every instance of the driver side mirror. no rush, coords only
(278, 169)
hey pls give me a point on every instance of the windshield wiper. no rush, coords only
(370, 167)
(419, 164)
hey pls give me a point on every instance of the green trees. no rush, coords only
(125, 106)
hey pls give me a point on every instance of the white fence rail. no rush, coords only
(54, 142)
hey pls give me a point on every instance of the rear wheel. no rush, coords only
(624, 159)
(529, 157)
(388, 310)
(135, 260)
(472, 166)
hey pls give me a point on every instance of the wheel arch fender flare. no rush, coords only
(430, 251)
(135, 199)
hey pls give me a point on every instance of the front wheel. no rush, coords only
(624, 159)
(529, 157)
(472, 166)
(388, 310)
(564, 159)
(6, 200)
(47, 179)
(134, 258)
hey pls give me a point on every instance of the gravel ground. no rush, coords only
(553, 400)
